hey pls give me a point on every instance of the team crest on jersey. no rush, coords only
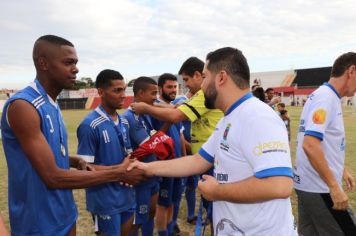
(319, 116)
(223, 144)
(143, 209)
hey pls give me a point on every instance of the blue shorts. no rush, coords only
(178, 188)
(165, 192)
(143, 202)
(110, 225)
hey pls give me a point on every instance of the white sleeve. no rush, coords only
(318, 116)
(266, 147)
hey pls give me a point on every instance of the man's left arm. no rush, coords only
(250, 190)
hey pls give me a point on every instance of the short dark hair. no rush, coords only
(164, 77)
(191, 65)
(233, 62)
(283, 112)
(259, 93)
(141, 83)
(269, 89)
(105, 77)
(281, 104)
(342, 63)
(55, 40)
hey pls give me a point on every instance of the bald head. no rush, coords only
(45, 45)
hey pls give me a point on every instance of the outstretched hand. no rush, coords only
(133, 177)
(208, 186)
(140, 166)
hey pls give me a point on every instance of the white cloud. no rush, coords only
(152, 37)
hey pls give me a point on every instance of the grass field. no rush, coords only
(84, 224)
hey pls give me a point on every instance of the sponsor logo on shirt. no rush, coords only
(223, 144)
(267, 147)
(227, 227)
(105, 217)
(319, 116)
(221, 177)
(296, 178)
(302, 126)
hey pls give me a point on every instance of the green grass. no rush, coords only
(84, 224)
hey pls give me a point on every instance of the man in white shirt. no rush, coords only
(252, 168)
(322, 203)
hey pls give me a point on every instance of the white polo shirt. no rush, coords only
(250, 140)
(321, 118)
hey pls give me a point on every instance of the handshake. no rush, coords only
(133, 172)
(129, 173)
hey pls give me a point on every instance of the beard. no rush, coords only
(210, 96)
(167, 97)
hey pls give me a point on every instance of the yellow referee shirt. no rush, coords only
(203, 120)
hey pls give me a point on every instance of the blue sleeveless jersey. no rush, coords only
(103, 142)
(34, 208)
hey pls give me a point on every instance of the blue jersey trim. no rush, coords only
(206, 155)
(238, 103)
(276, 171)
(332, 88)
(314, 134)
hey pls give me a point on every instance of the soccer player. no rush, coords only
(40, 182)
(252, 168)
(323, 206)
(140, 127)
(203, 120)
(170, 188)
(103, 140)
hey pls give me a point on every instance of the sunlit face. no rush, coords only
(191, 83)
(209, 88)
(169, 90)
(149, 95)
(62, 66)
(113, 96)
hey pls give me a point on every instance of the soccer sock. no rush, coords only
(170, 227)
(190, 197)
(163, 233)
(175, 213)
(147, 228)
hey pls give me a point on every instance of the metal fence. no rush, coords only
(72, 103)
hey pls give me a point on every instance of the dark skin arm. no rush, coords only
(40, 155)
(80, 164)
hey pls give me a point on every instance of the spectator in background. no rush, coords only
(285, 117)
(259, 93)
(271, 99)
(283, 113)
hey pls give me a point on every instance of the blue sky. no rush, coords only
(152, 37)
